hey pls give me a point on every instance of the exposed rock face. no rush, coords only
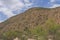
(31, 39)
(16, 38)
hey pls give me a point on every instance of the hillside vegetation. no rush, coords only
(36, 23)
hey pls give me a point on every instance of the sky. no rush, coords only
(9, 8)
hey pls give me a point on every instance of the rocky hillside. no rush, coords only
(31, 22)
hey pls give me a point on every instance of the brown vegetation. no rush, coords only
(30, 19)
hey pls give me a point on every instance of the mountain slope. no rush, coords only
(31, 19)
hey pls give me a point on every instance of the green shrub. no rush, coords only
(51, 26)
(11, 34)
(39, 31)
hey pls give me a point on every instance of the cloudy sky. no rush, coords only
(9, 8)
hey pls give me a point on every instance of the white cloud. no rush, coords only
(16, 4)
(7, 6)
(27, 3)
(1, 21)
(6, 12)
(13, 4)
(1, 3)
(55, 5)
(52, 0)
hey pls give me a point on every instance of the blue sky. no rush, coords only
(9, 8)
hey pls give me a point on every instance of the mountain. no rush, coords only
(42, 22)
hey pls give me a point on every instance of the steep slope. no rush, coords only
(33, 17)
(30, 19)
